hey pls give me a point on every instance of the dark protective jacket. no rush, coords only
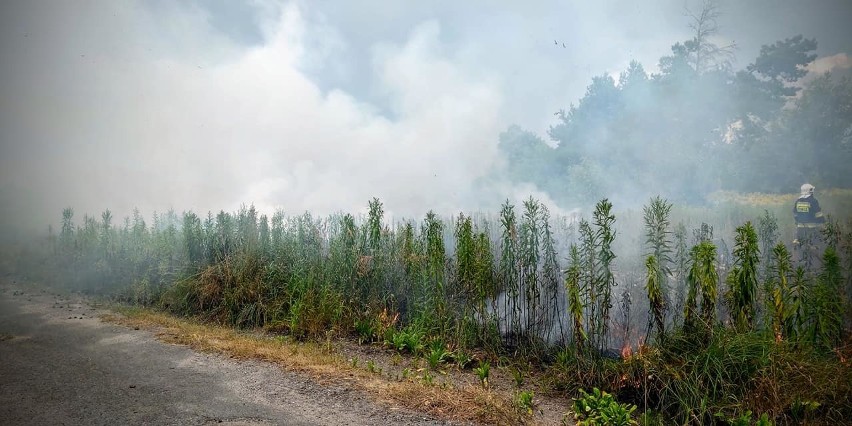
(807, 212)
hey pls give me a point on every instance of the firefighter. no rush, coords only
(808, 215)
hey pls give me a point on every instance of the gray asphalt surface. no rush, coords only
(60, 365)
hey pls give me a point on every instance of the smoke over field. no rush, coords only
(310, 106)
(601, 192)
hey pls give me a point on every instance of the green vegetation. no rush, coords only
(518, 376)
(529, 290)
(657, 233)
(437, 354)
(718, 318)
(742, 281)
(745, 420)
(483, 371)
(525, 401)
(600, 408)
(409, 340)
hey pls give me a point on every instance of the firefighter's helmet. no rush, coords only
(807, 189)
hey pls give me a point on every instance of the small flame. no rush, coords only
(626, 351)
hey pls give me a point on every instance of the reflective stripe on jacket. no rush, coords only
(807, 212)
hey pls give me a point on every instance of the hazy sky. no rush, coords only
(317, 105)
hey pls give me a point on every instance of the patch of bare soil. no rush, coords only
(502, 384)
(447, 392)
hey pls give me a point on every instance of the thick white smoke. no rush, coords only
(208, 126)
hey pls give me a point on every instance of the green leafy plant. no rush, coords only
(605, 278)
(782, 305)
(576, 297)
(656, 297)
(651, 418)
(658, 243)
(763, 420)
(746, 420)
(462, 358)
(600, 408)
(366, 329)
(742, 281)
(409, 340)
(437, 354)
(428, 378)
(508, 268)
(517, 375)
(483, 372)
(702, 277)
(563, 360)
(826, 306)
(372, 368)
(588, 253)
(800, 411)
(524, 400)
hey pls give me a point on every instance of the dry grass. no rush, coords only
(754, 199)
(768, 200)
(322, 362)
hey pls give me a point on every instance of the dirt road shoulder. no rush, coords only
(63, 365)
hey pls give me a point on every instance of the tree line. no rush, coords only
(696, 126)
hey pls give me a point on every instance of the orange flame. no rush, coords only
(626, 351)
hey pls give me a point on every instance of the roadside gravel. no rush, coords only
(61, 365)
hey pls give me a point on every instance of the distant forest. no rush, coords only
(695, 127)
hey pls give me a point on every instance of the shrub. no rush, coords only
(601, 408)
(742, 281)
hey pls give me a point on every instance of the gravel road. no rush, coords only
(60, 365)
